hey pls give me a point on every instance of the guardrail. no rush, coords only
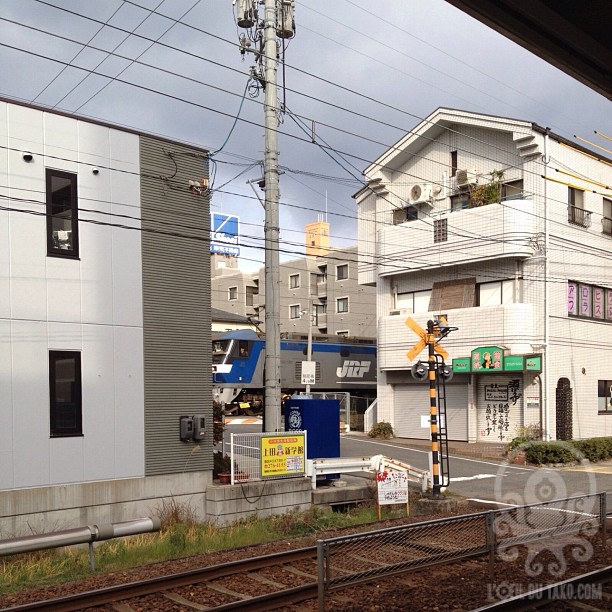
(351, 559)
(377, 463)
(79, 535)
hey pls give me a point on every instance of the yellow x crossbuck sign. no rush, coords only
(422, 343)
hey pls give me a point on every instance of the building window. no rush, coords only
(440, 230)
(589, 301)
(342, 272)
(576, 213)
(453, 156)
(250, 293)
(403, 215)
(342, 305)
(65, 394)
(294, 311)
(496, 293)
(459, 201)
(606, 220)
(414, 301)
(232, 293)
(343, 334)
(294, 281)
(604, 396)
(512, 190)
(62, 214)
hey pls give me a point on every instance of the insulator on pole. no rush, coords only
(246, 13)
(285, 19)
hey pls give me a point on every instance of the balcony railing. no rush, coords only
(579, 216)
(606, 226)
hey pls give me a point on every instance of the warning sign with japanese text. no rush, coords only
(392, 487)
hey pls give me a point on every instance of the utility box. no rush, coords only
(321, 419)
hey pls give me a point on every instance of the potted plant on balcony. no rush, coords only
(481, 195)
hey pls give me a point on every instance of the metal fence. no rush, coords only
(358, 558)
(246, 455)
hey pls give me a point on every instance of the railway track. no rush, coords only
(205, 588)
(282, 579)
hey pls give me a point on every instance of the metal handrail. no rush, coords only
(79, 535)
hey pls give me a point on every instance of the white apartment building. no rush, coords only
(505, 228)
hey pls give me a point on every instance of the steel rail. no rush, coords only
(151, 586)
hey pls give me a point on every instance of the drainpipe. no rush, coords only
(546, 384)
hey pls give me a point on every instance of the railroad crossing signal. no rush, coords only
(423, 342)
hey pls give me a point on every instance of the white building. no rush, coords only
(104, 320)
(506, 228)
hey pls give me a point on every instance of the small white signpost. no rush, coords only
(392, 489)
(309, 369)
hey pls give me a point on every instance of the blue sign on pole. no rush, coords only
(224, 234)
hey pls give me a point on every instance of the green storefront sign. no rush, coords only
(533, 363)
(487, 359)
(514, 363)
(461, 365)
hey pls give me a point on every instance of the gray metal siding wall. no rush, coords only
(176, 304)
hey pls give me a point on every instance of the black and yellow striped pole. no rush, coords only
(433, 409)
(439, 329)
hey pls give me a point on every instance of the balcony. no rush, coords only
(509, 325)
(321, 320)
(606, 226)
(474, 234)
(579, 216)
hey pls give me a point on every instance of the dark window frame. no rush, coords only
(53, 251)
(604, 396)
(55, 410)
(294, 281)
(342, 300)
(405, 215)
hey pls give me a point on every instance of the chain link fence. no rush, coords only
(351, 559)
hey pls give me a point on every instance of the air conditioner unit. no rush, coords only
(421, 192)
(463, 178)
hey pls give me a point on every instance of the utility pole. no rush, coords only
(271, 227)
(278, 21)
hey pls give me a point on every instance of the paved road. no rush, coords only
(492, 480)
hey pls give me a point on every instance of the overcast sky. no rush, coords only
(363, 72)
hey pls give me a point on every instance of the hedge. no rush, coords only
(593, 449)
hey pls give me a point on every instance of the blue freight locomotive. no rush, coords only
(342, 365)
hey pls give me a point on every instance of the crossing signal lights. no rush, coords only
(445, 372)
(419, 371)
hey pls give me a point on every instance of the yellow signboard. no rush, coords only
(283, 454)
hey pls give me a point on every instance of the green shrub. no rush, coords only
(381, 430)
(541, 453)
(594, 449)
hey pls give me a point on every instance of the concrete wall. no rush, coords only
(226, 504)
(47, 509)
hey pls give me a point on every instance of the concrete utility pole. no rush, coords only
(278, 22)
(271, 227)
